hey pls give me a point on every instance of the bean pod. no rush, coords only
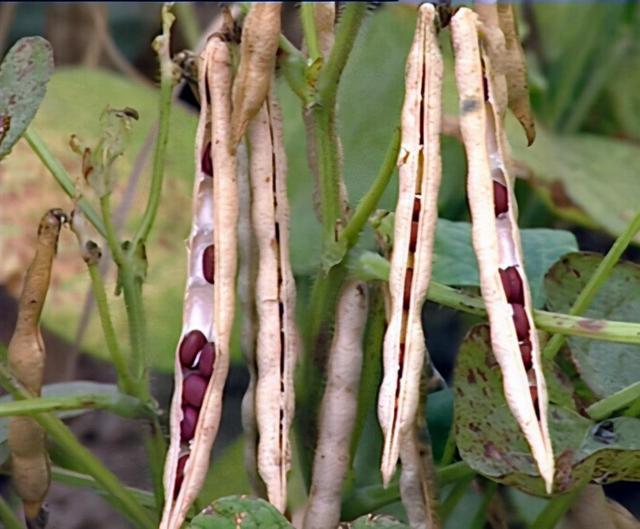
(414, 229)
(30, 466)
(202, 356)
(496, 239)
(277, 339)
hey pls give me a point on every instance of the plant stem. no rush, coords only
(132, 289)
(605, 407)
(59, 432)
(596, 281)
(555, 509)
(77, 479)
(346, 33)
(188, 23)
(97, 284)
(120, 404)
(457, 492)
(8, 517)
(167, 81)
(309, 30)
(61, 176)
(480, 518)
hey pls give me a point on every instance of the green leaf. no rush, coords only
(491, 443)
(240, 512)
(24, 74)
(377, 521)
(605, 367)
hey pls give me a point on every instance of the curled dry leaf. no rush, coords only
(338, 409)
(414, 230)
(277, 338)
(516, 71)
(202, 357)
(260, 37)
(496, 240)
(30, 466)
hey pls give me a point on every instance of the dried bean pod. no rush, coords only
(214, 218)
(26, 354)
(277, 339)
(419, 180)
(516, 71)
(258, 47)
(496, 240)
(338, 409)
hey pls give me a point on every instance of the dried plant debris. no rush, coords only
(415, 221)
(496, 238)
(277, 339)
(30, 466)
(202, 356)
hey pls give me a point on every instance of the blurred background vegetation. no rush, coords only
(582, 175)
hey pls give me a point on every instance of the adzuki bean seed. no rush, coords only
(180, 474)
(207, 360)
(189, 347)
(512, 284)
(193, 389)
(207, 264)
(413, 241)
(500, 198)
(520, 321)
(188, 423)
(525, 351)
(207, 162)
(406, 298)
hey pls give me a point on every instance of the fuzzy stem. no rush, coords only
(555, 509)
(596, 281)
(8, 517)
(309, 30)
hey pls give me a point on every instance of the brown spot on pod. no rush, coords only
(500, 198)
(180, 474)
(192, 342)
(207, 360)
(413, 241)
(525, 353)
(520, 321)
(193, 389)
(512, 284)
(188, 423)
(206, 161)
(208, 265)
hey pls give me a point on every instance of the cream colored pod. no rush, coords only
(202, 356)
(415, 221)
(496, 239)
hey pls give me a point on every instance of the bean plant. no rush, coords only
(343, 412)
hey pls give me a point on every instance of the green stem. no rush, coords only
(596, 281)
(555, 509)
(110, 231)
(118, 403)
(125, 381)
(61, 176)
(605, 407)
(8, 517)
(59, 432)
(188, 23)
(449, 452)
(309, 30)
(369, 499)
(167, 81)
(77, 479)
(132, 289)
(634, 409)
(457, 493)
(480, 518)
(346, 33)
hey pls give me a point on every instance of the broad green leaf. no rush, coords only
(240, 512)
(24, 73)
(376, 521)
(490, 441)
(605, 367)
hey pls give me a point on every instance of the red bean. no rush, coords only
(525, 353)
(500, 198)
(208, 264)
(207, 360)
(180, 474)
(533, 391)
(512, 284)
(192, 342)
(406, 297)
(188, 423)
(207, 163)
(416, 209)
(413, 241)
(193, 389)
(521, 321)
